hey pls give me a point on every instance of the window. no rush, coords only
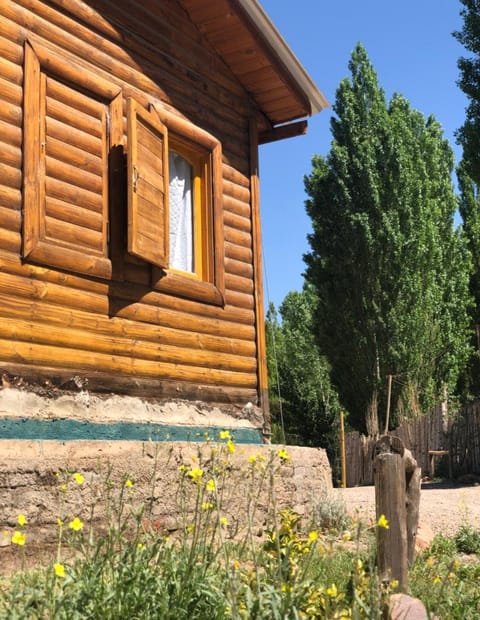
(174, 203)
(72, 118)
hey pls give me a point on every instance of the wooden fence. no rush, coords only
(459, 437)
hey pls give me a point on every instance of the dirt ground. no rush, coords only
(444, 507)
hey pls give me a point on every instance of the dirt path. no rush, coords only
(443, 507)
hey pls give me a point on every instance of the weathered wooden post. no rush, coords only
(397, 497)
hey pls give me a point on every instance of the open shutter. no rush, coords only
(147, 186)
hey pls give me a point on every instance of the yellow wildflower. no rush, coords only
(252, 458)
(59, 570)
(22, 520)
(195, 473)
(63, 488)
(207, 506)
(59, 522)
(313, 536)
(231, 446)
(211, 485)
(346, 536)
(18, 538)
(79, 479)
(140, 546)
(283, 455)
(223, 521)
(383, 522)
(76, 525)
(436, 579)
(224, 435)
(128, 483)
(332, 591)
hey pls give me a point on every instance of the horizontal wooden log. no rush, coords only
(133, 386)
(10, 93)
(11, 71)
(73, 214)
(79, 237)
(63, 98)
(236, 191)
(12, 50)
(238, 283)
(239, 300)
(70, 116)
(67, 134)
(239, 268)
(10, 219)
(10, 176)
(11, 134)
(238, 237)
(73, 259)
(10, 241)
(58, 357)
(238, 207)
(72, 175)
(116, 306)
(10, 155)
(156, 304)
(49, 314)
(19, 330)
(238, 222)
(11, 112)
(235, 176)
(10, 197)
(73, 194)
(239, 253)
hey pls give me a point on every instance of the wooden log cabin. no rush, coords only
(130, 260)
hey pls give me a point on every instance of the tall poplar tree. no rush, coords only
(390, 270)
(469, 134)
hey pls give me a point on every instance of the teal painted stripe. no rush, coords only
(70, 430)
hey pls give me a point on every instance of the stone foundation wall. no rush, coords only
(36, 480)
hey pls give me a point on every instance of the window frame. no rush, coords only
(206, 284)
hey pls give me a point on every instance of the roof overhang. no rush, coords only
(243, 35)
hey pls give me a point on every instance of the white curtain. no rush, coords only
(181, 213)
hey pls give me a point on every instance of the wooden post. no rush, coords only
(343, 458)
(397, 497)
(389, 396)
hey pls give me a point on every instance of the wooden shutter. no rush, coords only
(68, 135)
(147, 174)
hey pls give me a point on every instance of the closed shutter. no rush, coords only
(147, 174)
(66, 168)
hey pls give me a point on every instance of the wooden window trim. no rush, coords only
(41, 60)
(207, 283)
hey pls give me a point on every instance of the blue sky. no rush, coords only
(413, 52)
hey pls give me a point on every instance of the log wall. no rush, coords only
(56, 321)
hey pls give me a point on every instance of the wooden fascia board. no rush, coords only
(282, 132)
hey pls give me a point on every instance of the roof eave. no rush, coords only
(277, 43)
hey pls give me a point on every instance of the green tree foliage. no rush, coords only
(390, 271)
(469, 134)
(469, 207)
(309, 405)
